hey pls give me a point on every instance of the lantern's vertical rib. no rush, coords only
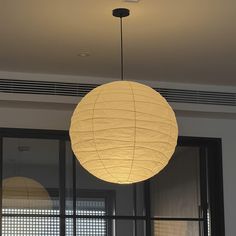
(94, 139)
(132, 163)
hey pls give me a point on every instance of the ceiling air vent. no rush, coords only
(79, 90)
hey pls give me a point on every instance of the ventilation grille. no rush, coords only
(80, 90)
(45, 87)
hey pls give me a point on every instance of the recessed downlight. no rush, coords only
(134, 1)
(84, 54)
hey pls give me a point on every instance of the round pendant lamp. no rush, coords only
(123, 132)
(24, 193)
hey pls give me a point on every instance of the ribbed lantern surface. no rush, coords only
(123, 132)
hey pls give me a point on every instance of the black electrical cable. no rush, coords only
(121, 50)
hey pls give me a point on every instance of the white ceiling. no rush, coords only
(191, 41)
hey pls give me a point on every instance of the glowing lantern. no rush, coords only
(123, 132)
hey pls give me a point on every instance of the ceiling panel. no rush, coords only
(191, 41)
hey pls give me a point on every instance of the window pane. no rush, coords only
(175, 190)
(30, 176)
(91, 206)
(87, 227)
(129, 228)
(91, 227)
(174, 228)
(140, 209)
(140, 228)
(69, 227)
(124, 227)
(30, 226)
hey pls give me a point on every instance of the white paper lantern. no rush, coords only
(24, 193)
(123, 132)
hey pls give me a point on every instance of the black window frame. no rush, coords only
(211, 169)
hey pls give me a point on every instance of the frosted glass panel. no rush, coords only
(30, 226)
(91, 227)
(130, 228)
(175, 228)
(175, 191)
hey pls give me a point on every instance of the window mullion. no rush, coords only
(62, 185)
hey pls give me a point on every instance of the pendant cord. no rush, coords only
(121, 13)
(121, 50)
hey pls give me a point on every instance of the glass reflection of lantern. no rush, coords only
(25, 193)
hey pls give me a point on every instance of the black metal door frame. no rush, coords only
(211, 169)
